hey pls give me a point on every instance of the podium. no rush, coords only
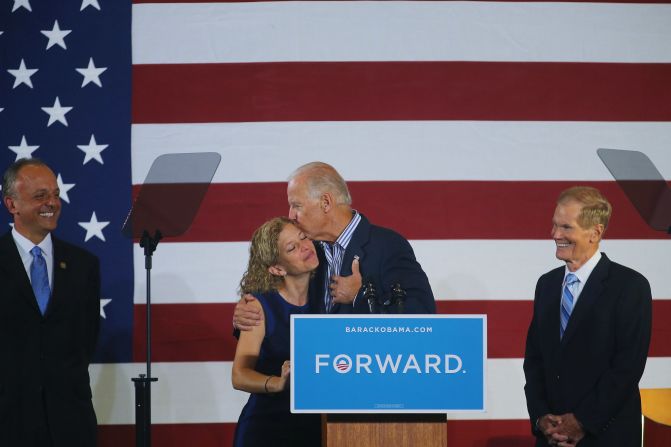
(426, 430)
(382, 380)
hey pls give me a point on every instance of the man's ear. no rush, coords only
(9, 203)
(277, 270)
(326, 202)
(597, 232)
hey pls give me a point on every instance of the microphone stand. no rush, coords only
(187, 177)
(143, 383)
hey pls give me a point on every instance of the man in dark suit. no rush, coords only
(49, 318)
(588, 340)
(351, 250)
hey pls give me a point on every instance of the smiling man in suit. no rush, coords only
(49, 319)
(589, 336)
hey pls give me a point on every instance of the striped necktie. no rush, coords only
(567, 298)
(39, 279)
(333, 253)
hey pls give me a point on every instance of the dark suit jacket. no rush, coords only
(594, 370)
(45, 359)
(385, 257)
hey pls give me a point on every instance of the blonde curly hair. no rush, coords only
(263, 253)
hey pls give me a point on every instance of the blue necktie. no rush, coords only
(40, 279)
(570, 288)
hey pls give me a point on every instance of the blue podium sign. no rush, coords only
(388, 364)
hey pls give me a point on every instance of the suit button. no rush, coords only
(557, 376)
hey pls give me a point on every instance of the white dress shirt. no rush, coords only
(25, 245)
(583, 274)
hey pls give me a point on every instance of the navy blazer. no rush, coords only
(385, 258)
(44, 360)
(594, 370)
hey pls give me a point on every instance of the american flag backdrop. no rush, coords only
(455, 123)
(65, 90)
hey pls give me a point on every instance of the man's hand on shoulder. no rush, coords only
(345, 288)
(246, 315)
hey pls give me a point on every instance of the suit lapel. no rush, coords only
(550, 319)
(589, 295)
(13, 268)
(60, 272)
(356, 246)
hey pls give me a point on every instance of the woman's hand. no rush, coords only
(276, 384)
(284, 378)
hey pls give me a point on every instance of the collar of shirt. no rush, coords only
(346, 236)
(25, 245)
(583, 273)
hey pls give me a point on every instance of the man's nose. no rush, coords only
(53, 199)
(292, 214)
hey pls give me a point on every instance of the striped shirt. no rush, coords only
(334, 253)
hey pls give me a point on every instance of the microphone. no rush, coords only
(370, 294)
(398, 296)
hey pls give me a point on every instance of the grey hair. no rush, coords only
(12, 172)
(322, 177)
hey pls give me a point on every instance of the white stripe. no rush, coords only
(457, 269)
(406, 150)
(201, 392)
(185, 392)
(381, 31)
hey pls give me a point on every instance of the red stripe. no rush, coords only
(490, 433)
(657, 434)
(416, 209)
(352, 91)
(185, 332)
(478, 433)
(203, 332)
(170, 435)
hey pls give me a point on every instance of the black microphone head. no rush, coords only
(369, 289)
(397, 291)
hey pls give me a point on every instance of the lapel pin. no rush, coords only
(63, 265)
